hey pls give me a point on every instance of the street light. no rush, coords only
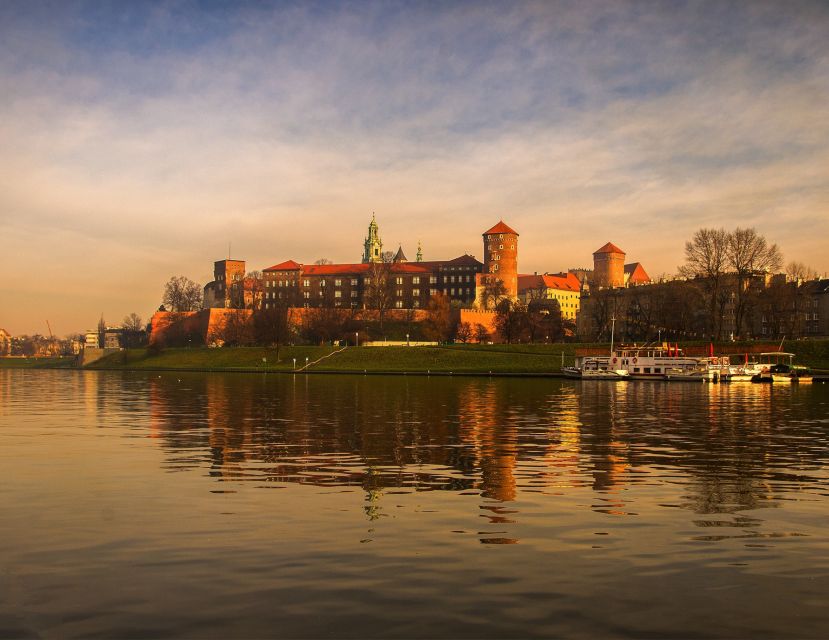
(356, 338)
(407, 339)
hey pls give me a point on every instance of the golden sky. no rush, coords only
(138, 139)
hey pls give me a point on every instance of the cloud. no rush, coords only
(140, 140)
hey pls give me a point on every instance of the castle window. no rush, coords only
(399, 280)
(495, 267)
(353, 282)
(322, 283)
(399, 304)
(338, 294)
(306, 295)
(415, 304)
(496, 257)
(368, 281)
(416, 280)
(399, 293)
(415, 292)
(338, 283)
(433, 292)
(433, 279)
(306, 283)
(452, 291)
(353, 294)
(500, 246)
(512, 246)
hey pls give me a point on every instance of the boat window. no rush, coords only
(657, 370)
(647, 369)
(635, 369)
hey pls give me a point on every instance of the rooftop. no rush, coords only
(501, 228)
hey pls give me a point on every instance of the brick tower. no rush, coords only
(501, 256)
(609, 267)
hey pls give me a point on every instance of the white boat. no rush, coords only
(656, 362)
(594, 368)
(744, 372)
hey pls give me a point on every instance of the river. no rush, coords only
(251, 505)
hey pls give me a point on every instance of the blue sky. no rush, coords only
(138, 139)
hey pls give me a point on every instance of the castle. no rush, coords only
(385, 280)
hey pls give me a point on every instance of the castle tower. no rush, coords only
(419, 252)
(373, 245)
(501, 256)
(609, 267)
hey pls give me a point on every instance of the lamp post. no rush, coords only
(407, 339)
(356, 338)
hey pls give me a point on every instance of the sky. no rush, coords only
(139, 139)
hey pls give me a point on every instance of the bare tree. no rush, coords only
(182, 294)
(799, 271)
(493, 291)
(133, 330)
(439, 324)
(464, 333)
(323, 261)
(706, 259)
(481, 333)
(379, 289)
(511, 320)
(272, 326)
(102, 329)
(749, 255)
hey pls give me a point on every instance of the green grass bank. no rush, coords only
(458, 358)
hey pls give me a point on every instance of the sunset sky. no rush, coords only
(138, 139)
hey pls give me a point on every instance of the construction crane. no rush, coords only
(48, 326)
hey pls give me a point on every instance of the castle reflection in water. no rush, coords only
(495, 437)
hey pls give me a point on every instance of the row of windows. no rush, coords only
(338, 282)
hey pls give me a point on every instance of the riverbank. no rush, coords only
(447, 359)
(496, 359)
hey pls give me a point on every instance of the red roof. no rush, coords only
(609, 248)
(358, 268)
(288, 265)
(636, 273)
(500, 228)
(560, 281)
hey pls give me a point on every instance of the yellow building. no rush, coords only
(563, 287)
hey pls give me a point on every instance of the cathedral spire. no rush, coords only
(419, 257)
(373, 245)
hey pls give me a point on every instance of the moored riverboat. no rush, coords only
(778, 366)
(594, 368)
(657, 362)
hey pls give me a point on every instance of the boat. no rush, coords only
(744, 372)
(593, 368)
(656, 362)
(596, 367)
(778, 366)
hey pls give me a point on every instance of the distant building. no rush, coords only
(113, 338)
(562, 287)
(92, 340)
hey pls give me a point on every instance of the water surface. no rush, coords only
(215, 505)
